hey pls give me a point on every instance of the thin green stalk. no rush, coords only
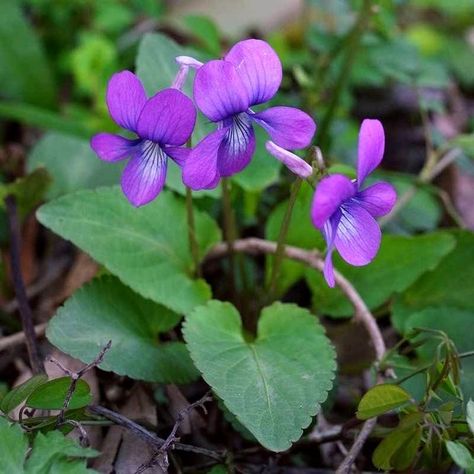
(353, 42)
(229, 227)
(285, 225)
(193, 244)
(462, 355)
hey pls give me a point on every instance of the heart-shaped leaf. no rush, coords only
(274, 384)
(147, 248)
(108, 310)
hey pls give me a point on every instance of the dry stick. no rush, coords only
(20, 290)
(148, 436)
(160, 457)
(362, 314)
(8, 342)
(52, 273)
(75, 377)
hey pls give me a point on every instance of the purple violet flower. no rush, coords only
(224, 91)
(162, 123)
(345, 213)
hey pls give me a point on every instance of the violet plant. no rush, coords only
(214, 275)
(271, 371)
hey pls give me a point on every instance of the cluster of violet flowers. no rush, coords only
(225, 91)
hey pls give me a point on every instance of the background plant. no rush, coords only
(410, 64)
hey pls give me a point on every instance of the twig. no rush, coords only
(52, 273)
(75, 377)
(359, 442)
(10, 341)
(148, 436)
(161, 456)
(20, 290)
(362, 314)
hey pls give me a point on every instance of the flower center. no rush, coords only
(238, 135)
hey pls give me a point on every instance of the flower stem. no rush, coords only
(229, 227)
(193, 244)
(285, 225)
(352, 41)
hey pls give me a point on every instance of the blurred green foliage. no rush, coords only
(56, 57)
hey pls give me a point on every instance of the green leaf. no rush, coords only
(460, 455)
(381, 399)
(51, 453)
(28, 190)
(423, 211)
(399, 263)
(51, 395)
(273, 384)
(13, 447)
(72, 164)
(206, 32)
(156, 62)
(404, 457)
(453, 321)
(51, 450)
(301, 234)
(147, 248)
(219, 469)
(396, 442)
(24, 71)
(470, 415)
(44, 119)
(446, 285)
(19, 394)
(108, 310)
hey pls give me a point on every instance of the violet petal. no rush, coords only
(200, 168)
(144, 176)
(288, 127)
(371, 148)
(358, 235)
(329, 231)
(237, 147)
(293, 162)
(377, 199)
(259, 67)
(178, 154)
(330, 193)
(218, 90)
(167, 118)
(110, 147)
(125, 99)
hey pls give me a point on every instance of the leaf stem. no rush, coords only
(193, 244)
(230, 230)
(285, 225)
